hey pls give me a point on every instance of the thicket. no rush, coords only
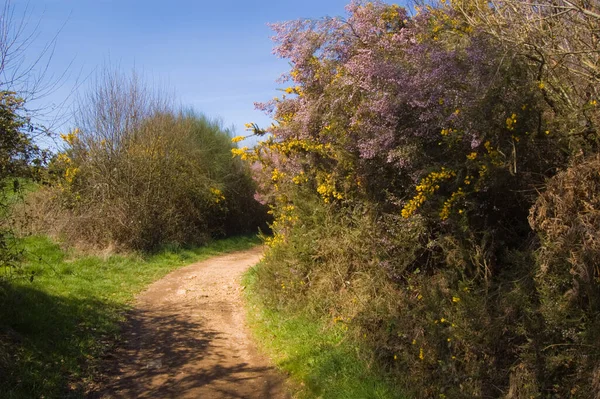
(434, 182)
(136, 173)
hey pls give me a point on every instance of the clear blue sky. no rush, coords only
(215, 55)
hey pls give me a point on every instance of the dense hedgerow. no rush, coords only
(137, 174)
(406, 155)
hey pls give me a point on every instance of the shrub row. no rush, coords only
(405, 172)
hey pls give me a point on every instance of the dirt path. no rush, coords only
(187, 338)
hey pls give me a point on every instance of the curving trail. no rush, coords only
(187, 338)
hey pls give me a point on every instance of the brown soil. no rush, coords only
(187, 338)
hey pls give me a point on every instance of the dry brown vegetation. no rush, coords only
(138, 174)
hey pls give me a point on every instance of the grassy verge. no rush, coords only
(320, 360)
(62, 311)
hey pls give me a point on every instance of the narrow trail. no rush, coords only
(187, 338)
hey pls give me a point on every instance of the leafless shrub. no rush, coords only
(560, 39)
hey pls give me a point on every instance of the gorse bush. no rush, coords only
(138, 174)
(406, 155)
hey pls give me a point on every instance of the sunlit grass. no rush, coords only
(320, 360)
(62, 310)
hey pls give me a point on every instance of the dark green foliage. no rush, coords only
(16, 149)
(19, 158)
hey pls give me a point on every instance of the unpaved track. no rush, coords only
(187, 338)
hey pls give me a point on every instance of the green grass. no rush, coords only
(55, 326)
(319, 359)
(12, 190)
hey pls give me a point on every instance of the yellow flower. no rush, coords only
(448, 131)
(217, 195)
(237, 139)
(455, 299)
(251, 127)
(421, 354)
(426, 188)
(472, 156)
(511, 122)
(240, 152)
(71, 137)
(276, 175)
(483, 171)
(299, 179)
(70, 174)
(62, 157)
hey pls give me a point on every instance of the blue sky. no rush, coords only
(215, 55)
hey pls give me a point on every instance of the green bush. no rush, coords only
(137, 174)
(439, 330)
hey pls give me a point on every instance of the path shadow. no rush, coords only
(164, 354)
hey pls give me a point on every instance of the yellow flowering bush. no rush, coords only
(425, 189)
(170, 179)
